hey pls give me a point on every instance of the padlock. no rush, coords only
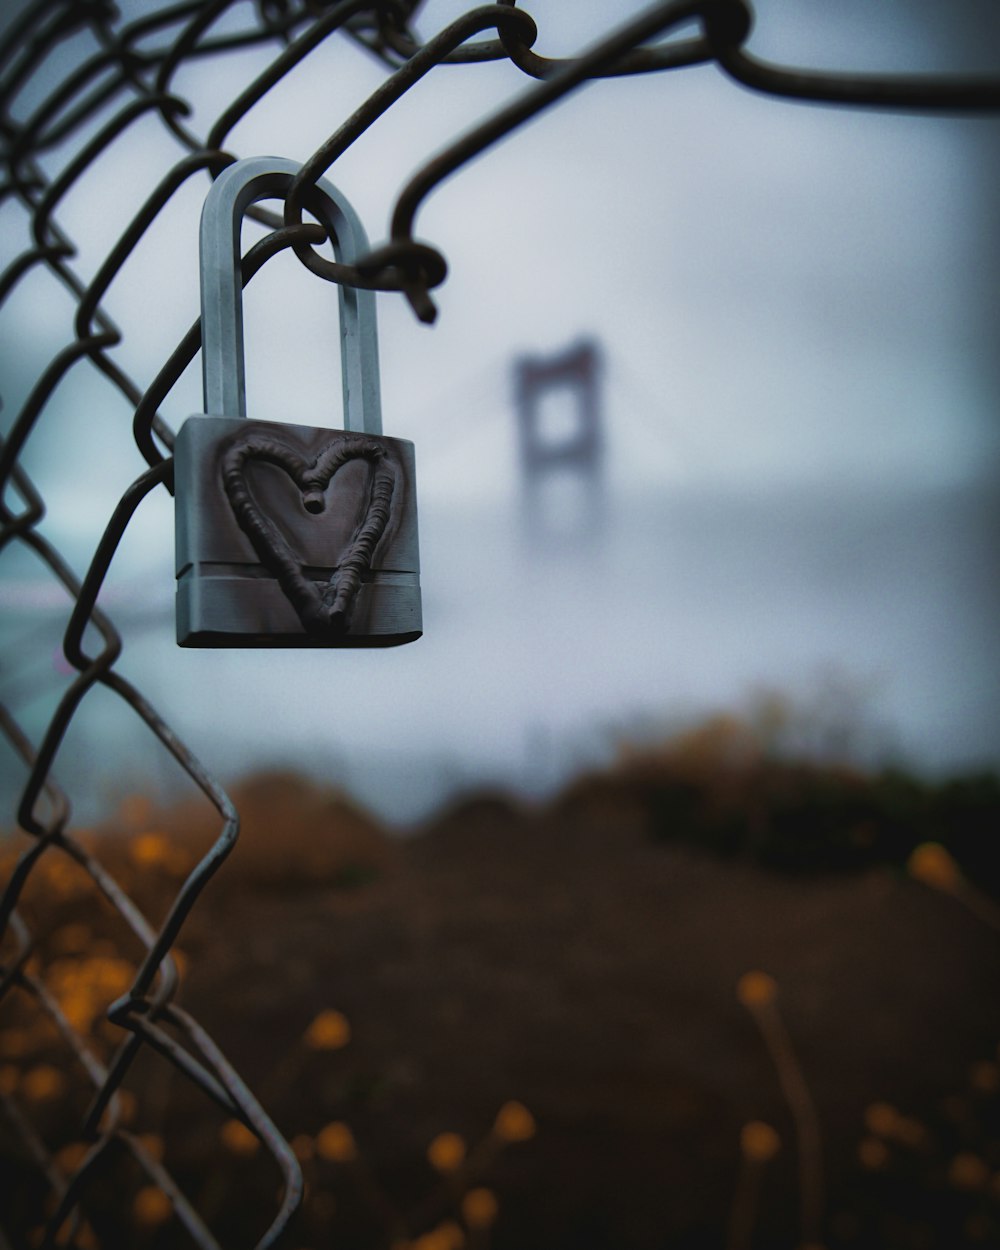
(290, 535)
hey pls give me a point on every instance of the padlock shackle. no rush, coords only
(223, 371)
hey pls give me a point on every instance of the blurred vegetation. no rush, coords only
(721, 788)
(597, 1023)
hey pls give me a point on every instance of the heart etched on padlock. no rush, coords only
(321, 609)
(290, 535)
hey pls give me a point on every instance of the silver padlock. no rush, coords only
(290, 535)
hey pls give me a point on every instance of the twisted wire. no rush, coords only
(130, 78)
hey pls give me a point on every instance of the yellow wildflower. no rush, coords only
(446, 1152)
(79, 1008)
(934, 866)
(86, 1238)
(479, 1208)
(968, 1171)
(112, 976)
(150, 850)
(759, 1141)
(514, 1123)
(62, 876)
(335, 1143)
(451, 1235)
(43, 1082)
(238, 1139)
(329, 1031)
(882, 1119)
(756, 989)
(447, 1236)
(151, 1206)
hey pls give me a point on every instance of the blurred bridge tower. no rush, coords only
(561, 445)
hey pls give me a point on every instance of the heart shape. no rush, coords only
(327, 610)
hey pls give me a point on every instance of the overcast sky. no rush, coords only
(796, 305)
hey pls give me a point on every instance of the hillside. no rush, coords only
(583, 960)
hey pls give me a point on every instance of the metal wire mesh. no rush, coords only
(130, 76)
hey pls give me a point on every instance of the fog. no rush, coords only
(795, 308)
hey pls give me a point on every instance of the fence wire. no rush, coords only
(132, 74)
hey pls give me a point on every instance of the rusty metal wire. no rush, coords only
(133, 73)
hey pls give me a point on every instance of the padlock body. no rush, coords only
(253, 498)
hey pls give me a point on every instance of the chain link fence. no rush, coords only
(128, 73)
